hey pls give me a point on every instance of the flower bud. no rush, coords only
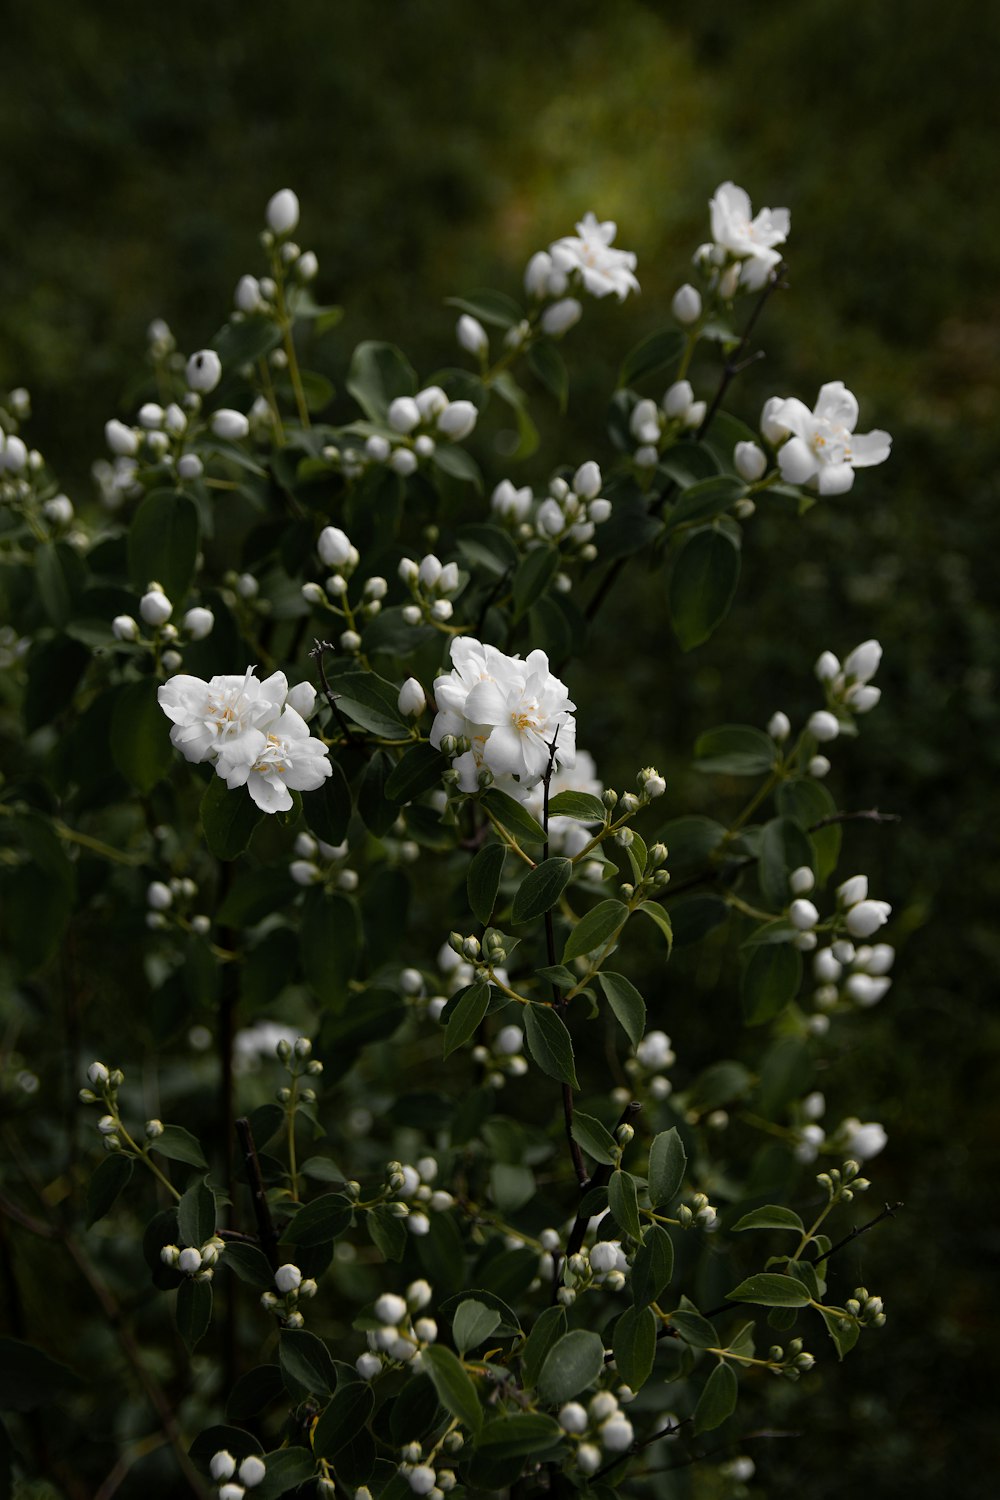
(779, 727)
(851, 891)
(120, 439)
(457, 420)
(222, 1466)
(58, 510)
(403, 462)
(803, 915)
(818, 767)
(252, 1471)
(686, 304)
(403, 414)
(537, 273)
(587, 480)
(282, 212)
(861, 699)
(573, 1418)
(229, 424)
(190, 466)
(801, 881)
(155, 607)
(472, 336)
(863, 661)
(867, 917)
(350, 641)
(678, 398)
(588, 1458)
(561, 316)
(199, 622)
(203, 371)
(189, 1261)
(823, 725)
(749, 461)
(287, 1278)
(124, 628)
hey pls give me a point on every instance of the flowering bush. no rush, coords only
(537, 1249)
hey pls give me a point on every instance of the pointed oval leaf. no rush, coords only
(455, 1390)
(704, 578)
(466, 1016)
(653, 1266)
(624, 1203)
(718, 1398)
(228, 819)
(635, 1345)
(549, 1043)
(771, 980)
(513, 815)
(473, 1322)
(597, 1141)
(349, 1410)
(595, 929)
(541, 888)
(573, 1363)
(667, 1161)
(483, 880)
(768, 1290)
(772, 1216)
(626, 1003)
(306, 1364)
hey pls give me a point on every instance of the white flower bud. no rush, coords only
(561, 316)
(190, 466)
(124, 628)
(231, 1492)
(853, 890)
(537, 273)
(823, 725)
(426, 1330)
(599, 510)
(159, 896)
(403, 462)
(229, 424)
(287, 1278)
(818, 767)
(429, 571)
(431, 402)
(350, 641)
(587, 480)
(865, 990)
(616, 1434)
(779, 727)
(805, 942)
(695, 414)
(801, 881)
(457, 420)
(411, 614)
(864, 1141)
(867, 917)
(803, 915)
(155, 607)
(863, 661)
(604, 1256)
(203, 371)
(119, 438)
(861, 699)
(827, 666)
(247, 295)
(573, 1418)
(282, 212)
(333, 546)
(588, 1458)
(686, 304)
(472, 336)
(252, 1471)
(304, 872)
(678, 398)
(98, 1073)
(222, 1466)
(412, 700)
(390, 1309)
(189, 1261)
(418, 1224)
(312, 593)
(603, 1405)
(404, 414)
(442, 610)
(749, 461)
(199, 622)
(825, 966)
(422, 1479)
(368, 1366)
(771, 429)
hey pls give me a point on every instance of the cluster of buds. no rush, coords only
(24, 485)
(808, 1135)
(337, 552)
(299, 1063)
(503, 1057)
(292, 1287)
(802, 913)
(242, 591)
(423, 1478)
(432, 585)
(651, 878)
(698, 1214)
(398, 1334)
(860, 1140)
(306, 870)
(412, 1194)
(234, 1480)
(415, 425)
(791, 1363)
(598, 1429)
(107, 1081)
(464, 959)
(655, 427)
(605, 1265)
(263, 295)
(567, 514)
(169, 903)
(653, 1056)
(860, 916)
(155, 611)
(197, 1262)
(848, 688)
(841, 1183)
(865, 1309)
(585, 262)
(852, 976)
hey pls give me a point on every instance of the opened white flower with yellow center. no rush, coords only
(823, 450)
(748, 239)
(589, 253)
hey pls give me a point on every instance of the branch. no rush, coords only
(736, 361)
(317, 653)
(869, 815)
(262, 1213)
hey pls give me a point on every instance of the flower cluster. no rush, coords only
(743, 251)
(397, 1335)
(234, 1481)
(654, 426)
(501, 719)
(653, 1056)
(253, 732)
(820, 448)
(414, 1195)
(432, 584)
(291, 1287)
(414, 427)
(169, 903)
(599, 1429)
(569, 513)
(852, 976)
(197, 1262)
(585, 260)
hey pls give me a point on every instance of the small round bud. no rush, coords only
(154, 1129)
(252, 1471)
(823, 726)
(222, 1466)
(189, 1261)
(282, 212)
(819, 767)
(203, 371)
(155, 607)
(287, 1278)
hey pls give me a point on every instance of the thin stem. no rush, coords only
(735, 361)
(289, 343)
(290, 1131)
(262, 1213)
(317, 653)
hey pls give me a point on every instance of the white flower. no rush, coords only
(472, 336)
(457, 420)
(509, 503)
(864, 1140)
(511, 710)
(412, 700)
(282, 212)
(588, 254)
(203, 371)
(655, 1050)
(198, 622)
(686, 304)
(750, 240)
(560, 317)
(824, 450)
(867, 917)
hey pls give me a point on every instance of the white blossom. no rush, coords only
(124, 628)
(561, 316)
(588, 254)
(155, 607)
(457, 420)
(686, 304)
(203, 371)
(750, 240)
(867, 917)
(863, 1140)
(282, 212)
(198, 622)
(122, 441)
(822, 449)
(472, 336)
(749, 461)
(412, 700)
(334, 547)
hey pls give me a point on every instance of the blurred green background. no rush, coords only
(434, 147)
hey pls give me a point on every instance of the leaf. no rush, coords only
(595, 929)
(549, 1043)
(319, 1222)
(254, 1391)
(718, 1085)
(705, 499)
(784, 847)
(767, 1290)
(549, 1327)
(513, 815)
(306, 1364)
(178, 1144)
(667, 1164)
(772, 1216)
(466, 1016)
(624, 1203)
(694, 916)
(250, 1264)
(328, 810)
(489, 307)
(60, 575)
(196, 1214)
(378, 374)
(574, 1362)
(163, 544)
(386, 1231)
(329, 942)
(458, 464)
(228, 819)
(559, 975)
(658, 352)
(420, 769)
(473, 1322)
(287, 1469)
(507, 1326)
(702, 584)
(626, 1003)
(29, 1377)
(483, 880)
(541, 888)
(598, 1142)
(693, 1328)
(661, 919)
(349, 1411)
(509, 391)
(691, 841)
(532, 577)
(512, 1185)
(487, 548)
(770, 981)
(718, 1398)
(455, 1390)
(518, 1434)
(194, 1310)
(580, 805)
(111, 1177)
(635, 1345)
(140, 740)
(653, 1266)
(806, 801)
(372, 702)
(841, 1329)
(547, 363)
(246, 341)
(735, 750)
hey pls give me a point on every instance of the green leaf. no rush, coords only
(483, 880)
(489, 307)
(661, 919)
(767, 1290)
(254, 1391)
(841, 1329)
(514, 816)
(349, 1411)
(328, 810)
(635, 1345)
(194, 1311)
(807, 801)
(692, 841)
(702, 584)
(140, 739)
(249, 1264)
(466, 1016)
(720, 1083)
(455, 462)
(472, 1324)
(196, 1214)
(509, 391)
(595, 929)
(547, 363)
(541, 888)
(770, 981)
(60, 574)
(580, 805)
(228, 819)
(598, 1142)
(705, 500)
(735, 750)
(534, 573)
(487, 549)
(512, 1185)
(320, 1222)
(559, 975)
(772, 1216)
(330, 941)
(518, 1434)
(667, 1164)
(718, 1398)
(549, 1327)
(692, 1327)
(378, 374)
(507, 1326)
(163, 544)
(574, 1362)
(306, 1364)
(455, 1390)
(549, 1043)
(111, 1177)
(420, 769)
(246, 341)
(784, 847)
(624, 1203)
(660, 351)
(387, 1232)
(626, 1003)
(287, 1469)
(653, 1266)
(178, 1144)
(372, 702)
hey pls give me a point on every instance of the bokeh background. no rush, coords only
(434, 146)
